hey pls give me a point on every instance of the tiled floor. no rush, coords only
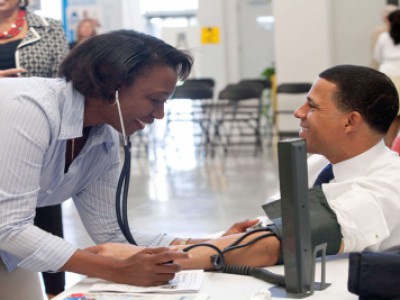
(178, 189)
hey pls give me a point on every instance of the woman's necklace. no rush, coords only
(72, 149)
(16, 27)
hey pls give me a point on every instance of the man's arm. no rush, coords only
(264, 252)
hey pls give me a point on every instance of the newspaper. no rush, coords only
(129, 296)
(184, 282)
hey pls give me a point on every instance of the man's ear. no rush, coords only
(354, 120)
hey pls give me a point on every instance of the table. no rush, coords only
(240, 287)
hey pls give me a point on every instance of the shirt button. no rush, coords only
(49, 192)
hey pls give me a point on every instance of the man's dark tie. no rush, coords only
(324, 176)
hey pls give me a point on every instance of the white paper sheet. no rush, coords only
(184, 282)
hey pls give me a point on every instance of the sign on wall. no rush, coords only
(210, 35)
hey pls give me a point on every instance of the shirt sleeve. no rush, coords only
(378, 49)
(96, 206)
(359, 213)
(24, 139)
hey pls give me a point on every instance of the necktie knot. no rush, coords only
(324, 176)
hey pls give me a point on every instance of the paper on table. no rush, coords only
(184, 282)
(129, 296)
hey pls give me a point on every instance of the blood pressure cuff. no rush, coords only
(374, 276)
(323, 222)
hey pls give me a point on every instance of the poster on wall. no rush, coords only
(34, 5)
(76, 10)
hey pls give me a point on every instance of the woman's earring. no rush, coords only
(115, 99)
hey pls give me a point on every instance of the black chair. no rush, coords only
(191, 103)
(237, 121)
(208, 81)
(264, 82)
(289, 96)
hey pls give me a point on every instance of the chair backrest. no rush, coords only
(294, 87)
(194, 91)
(209, 81)
(265, 83)
(241, 91)
(289, 96)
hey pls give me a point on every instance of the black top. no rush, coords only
(7, 54)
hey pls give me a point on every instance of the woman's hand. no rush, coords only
(151, 266)
(124, 263)
(11, 72)
(241, 227)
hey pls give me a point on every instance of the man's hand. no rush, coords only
(241, 227)
(11, 72)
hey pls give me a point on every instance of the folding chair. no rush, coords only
(289, 96)
(238, 116)
(191, 103)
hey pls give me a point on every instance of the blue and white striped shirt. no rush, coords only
(37, 117)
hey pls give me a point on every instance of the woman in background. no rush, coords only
(387, 54)
(31, 45)
(86, 28)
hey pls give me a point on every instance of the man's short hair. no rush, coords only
(367, 91)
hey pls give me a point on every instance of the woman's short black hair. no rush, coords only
(100, 65)
(394, 31)
(367, 91)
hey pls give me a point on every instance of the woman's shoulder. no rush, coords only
(36, 20)
(384, 36)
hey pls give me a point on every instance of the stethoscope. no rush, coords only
(121, 197)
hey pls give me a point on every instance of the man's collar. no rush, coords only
(356, 165)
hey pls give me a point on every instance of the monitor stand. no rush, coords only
(299, 257)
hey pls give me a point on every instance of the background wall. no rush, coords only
(307, 36)
(311, 35)
(353, 22)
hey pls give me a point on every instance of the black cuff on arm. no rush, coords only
(323, 222)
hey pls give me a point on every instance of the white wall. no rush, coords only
(312, 35)
(308, 35)
(303, 45)
(256, 42)
(213, 57)
(353, 23)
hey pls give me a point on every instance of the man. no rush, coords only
(344, 119)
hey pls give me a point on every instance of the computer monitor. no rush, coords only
(296, 233)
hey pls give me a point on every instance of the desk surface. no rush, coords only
(227, 286)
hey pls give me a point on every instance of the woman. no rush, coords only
(387, 54)
(60, 142)
(33, 46)
(30, 45)
(86, 29)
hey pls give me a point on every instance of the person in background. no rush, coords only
(387, 54)
(31, 45)
(383, 27)
(85, 29)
